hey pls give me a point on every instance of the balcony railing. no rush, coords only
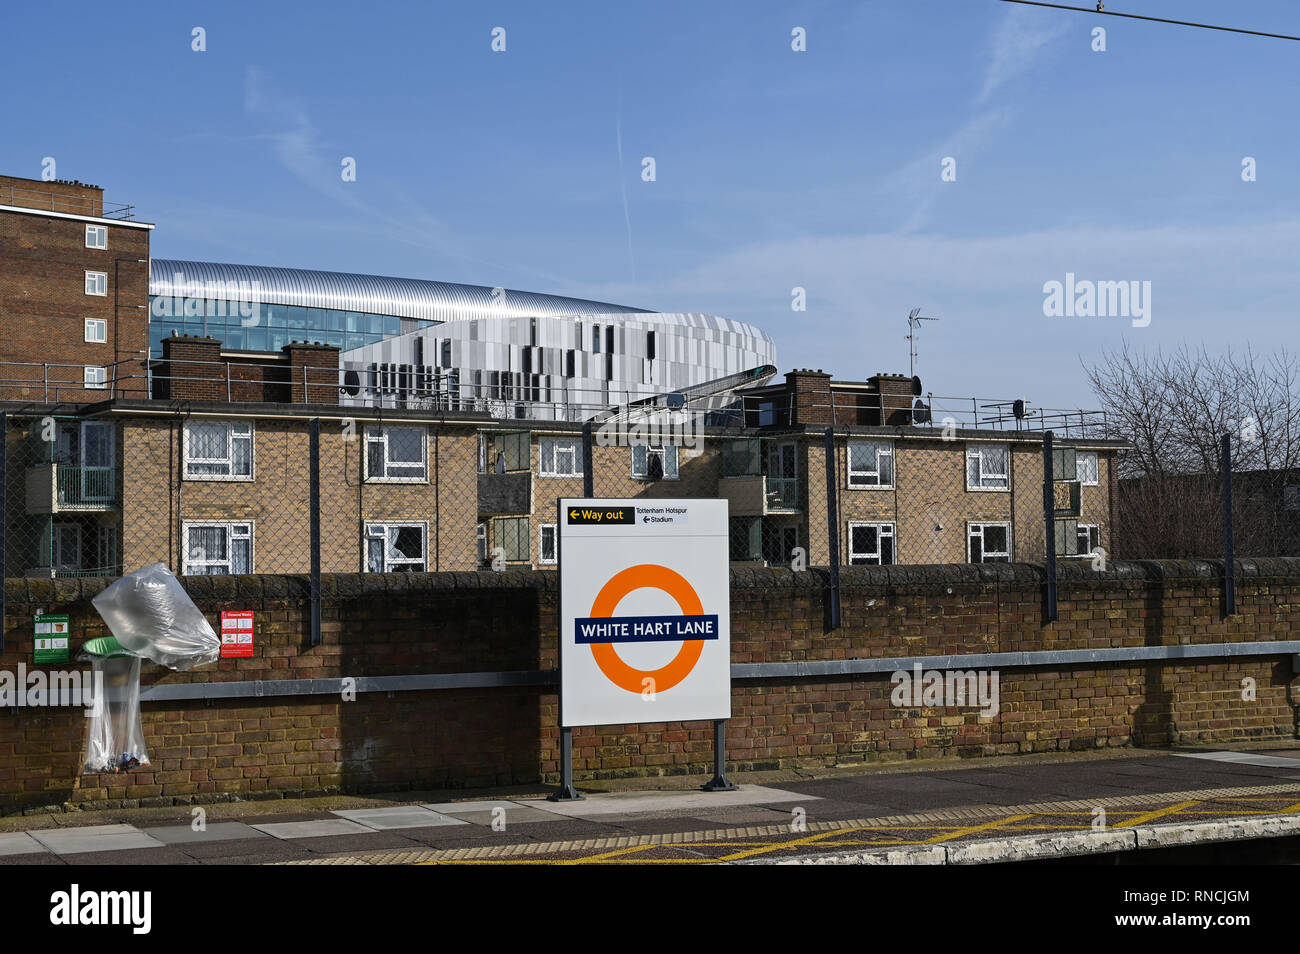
(756, 495)
(782, 493)
(84, 486)
(56, 488)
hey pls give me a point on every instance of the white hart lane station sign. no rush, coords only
(645, 611)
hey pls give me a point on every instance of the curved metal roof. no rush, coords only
(375, 294)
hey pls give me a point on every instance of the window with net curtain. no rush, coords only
(218, 449)
(218, 549)
(871, 464)
(987, 467)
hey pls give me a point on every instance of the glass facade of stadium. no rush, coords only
(276, 327)
(417, 344)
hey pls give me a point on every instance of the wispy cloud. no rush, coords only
(1019, 43)
(622, 177)
(304, 151)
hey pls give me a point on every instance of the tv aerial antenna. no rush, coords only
(914, 319)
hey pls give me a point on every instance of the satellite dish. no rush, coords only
(676, 400)
(916, 386)
(351, 383)
(921, 412)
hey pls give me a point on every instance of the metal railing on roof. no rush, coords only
(70, 204)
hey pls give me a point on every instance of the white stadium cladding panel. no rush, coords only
(414, 343)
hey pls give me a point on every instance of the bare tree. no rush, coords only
(1174, 409)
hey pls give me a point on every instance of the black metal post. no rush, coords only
(832, 527)
(567, 792)
(719, 782)
(4, 517)
(1049, 523)
(588, 478)
(1229, 582)
(314, 583)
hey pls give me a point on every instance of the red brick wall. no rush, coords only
(416, 623)
(75, 198)
(195, 369)
(43, 307)
(319, 382)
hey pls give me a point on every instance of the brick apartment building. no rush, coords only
(74, 293)
(904, 493)
(201, 460)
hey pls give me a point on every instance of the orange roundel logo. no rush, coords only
(647, 576)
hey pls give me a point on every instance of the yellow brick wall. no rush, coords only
(277, 500)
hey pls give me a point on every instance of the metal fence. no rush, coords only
(97, 496)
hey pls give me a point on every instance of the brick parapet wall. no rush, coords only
(403, 624)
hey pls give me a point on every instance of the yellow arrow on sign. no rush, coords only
(573, 515)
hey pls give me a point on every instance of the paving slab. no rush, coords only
(313, 829)
(217, 831)
(400, 816)
(20, 843)
(1244, 758)
(481, 812)
(67, 841)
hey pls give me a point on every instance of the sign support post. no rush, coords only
(567, 792)
(719, 782)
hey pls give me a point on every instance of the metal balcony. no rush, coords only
(759, 496)
(61, 488)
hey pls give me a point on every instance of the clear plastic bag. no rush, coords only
(151, 615)
(114, 738)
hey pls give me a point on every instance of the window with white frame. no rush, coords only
(654, 462)
(871, 544)
(546, 543)
(1089, 538)
(988, 467)
(97, 283)
(96, 236)
(560, 457)
(95, 378)
(396, 453)
(988, 542)
(218, 549)
(96, 330)
(396, 547)
(219, 450)
(1086, 462)
(871, 464)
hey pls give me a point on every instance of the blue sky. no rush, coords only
(775, 168)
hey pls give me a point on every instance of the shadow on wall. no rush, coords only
(443, 738)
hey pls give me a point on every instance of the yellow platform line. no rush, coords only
(1158, 813)
(972, 829)
(778, 846)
